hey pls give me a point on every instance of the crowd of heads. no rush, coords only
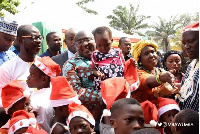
(62, 101)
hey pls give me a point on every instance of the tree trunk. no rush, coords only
(166, 44)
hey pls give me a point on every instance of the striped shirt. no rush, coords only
(189, 93)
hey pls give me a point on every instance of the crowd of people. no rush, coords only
(95, 88)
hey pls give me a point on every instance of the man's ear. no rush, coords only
(46, 79)
(113, 123)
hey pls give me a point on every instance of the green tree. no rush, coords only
(187, 18)
(183, 20)
(163, 31)
(82, 3)
(127, 20)
(9, 6)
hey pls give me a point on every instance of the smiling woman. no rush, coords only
(154, 81)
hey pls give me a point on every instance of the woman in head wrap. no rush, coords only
(154, 82)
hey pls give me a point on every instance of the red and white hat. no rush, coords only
(166, 104)
(150, 111)
(11, 93)
(131, 75)
(47, 65)
(113, 89)
(191, 27)
(62, 93)
(21, 119)
(80, 111)
(32, 130)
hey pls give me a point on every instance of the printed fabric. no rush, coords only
(5, 56)
(189, 94)
(79, 74)
(111, 65)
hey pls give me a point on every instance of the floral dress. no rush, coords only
(110, 64)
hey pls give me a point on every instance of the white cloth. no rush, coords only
(63, 125)
(40, 101)
(14, 69)
(70, 54)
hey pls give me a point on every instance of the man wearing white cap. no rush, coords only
(8, 32)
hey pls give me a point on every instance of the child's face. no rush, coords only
(130, 118)
(168, 116)
(80, 125)
(27, 106)
(103, 42)
(34, 80)
(19, 105)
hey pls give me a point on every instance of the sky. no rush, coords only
(66, 14)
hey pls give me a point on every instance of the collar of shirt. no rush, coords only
(70, 54)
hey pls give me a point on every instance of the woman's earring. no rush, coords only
(140, 63)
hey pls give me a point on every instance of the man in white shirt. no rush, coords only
(17, 68)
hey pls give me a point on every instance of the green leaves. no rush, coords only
(9, 6)
(127, 19)
(83, 2)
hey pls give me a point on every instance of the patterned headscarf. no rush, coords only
(140, 46)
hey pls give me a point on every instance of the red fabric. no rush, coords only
(130, 72)
(61, 89)
(165, 101)
(160, 130)
(113, 89)
(20, 115)
(11, 92)
(33, 130)
(48, 62)
(191, 27)
(76, 107)
(150, 111)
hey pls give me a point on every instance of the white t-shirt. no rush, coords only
(14, 69)
(40, 101)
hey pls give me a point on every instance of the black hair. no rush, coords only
(48, 36)
(3, 117)
(188, 116)
(120, 103)
(92, 126)
(146, 131)
(101, 30)
(167, 54)
(24, 30)
(121, 39)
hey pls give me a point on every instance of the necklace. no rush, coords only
(156, 71)
(147, 71)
